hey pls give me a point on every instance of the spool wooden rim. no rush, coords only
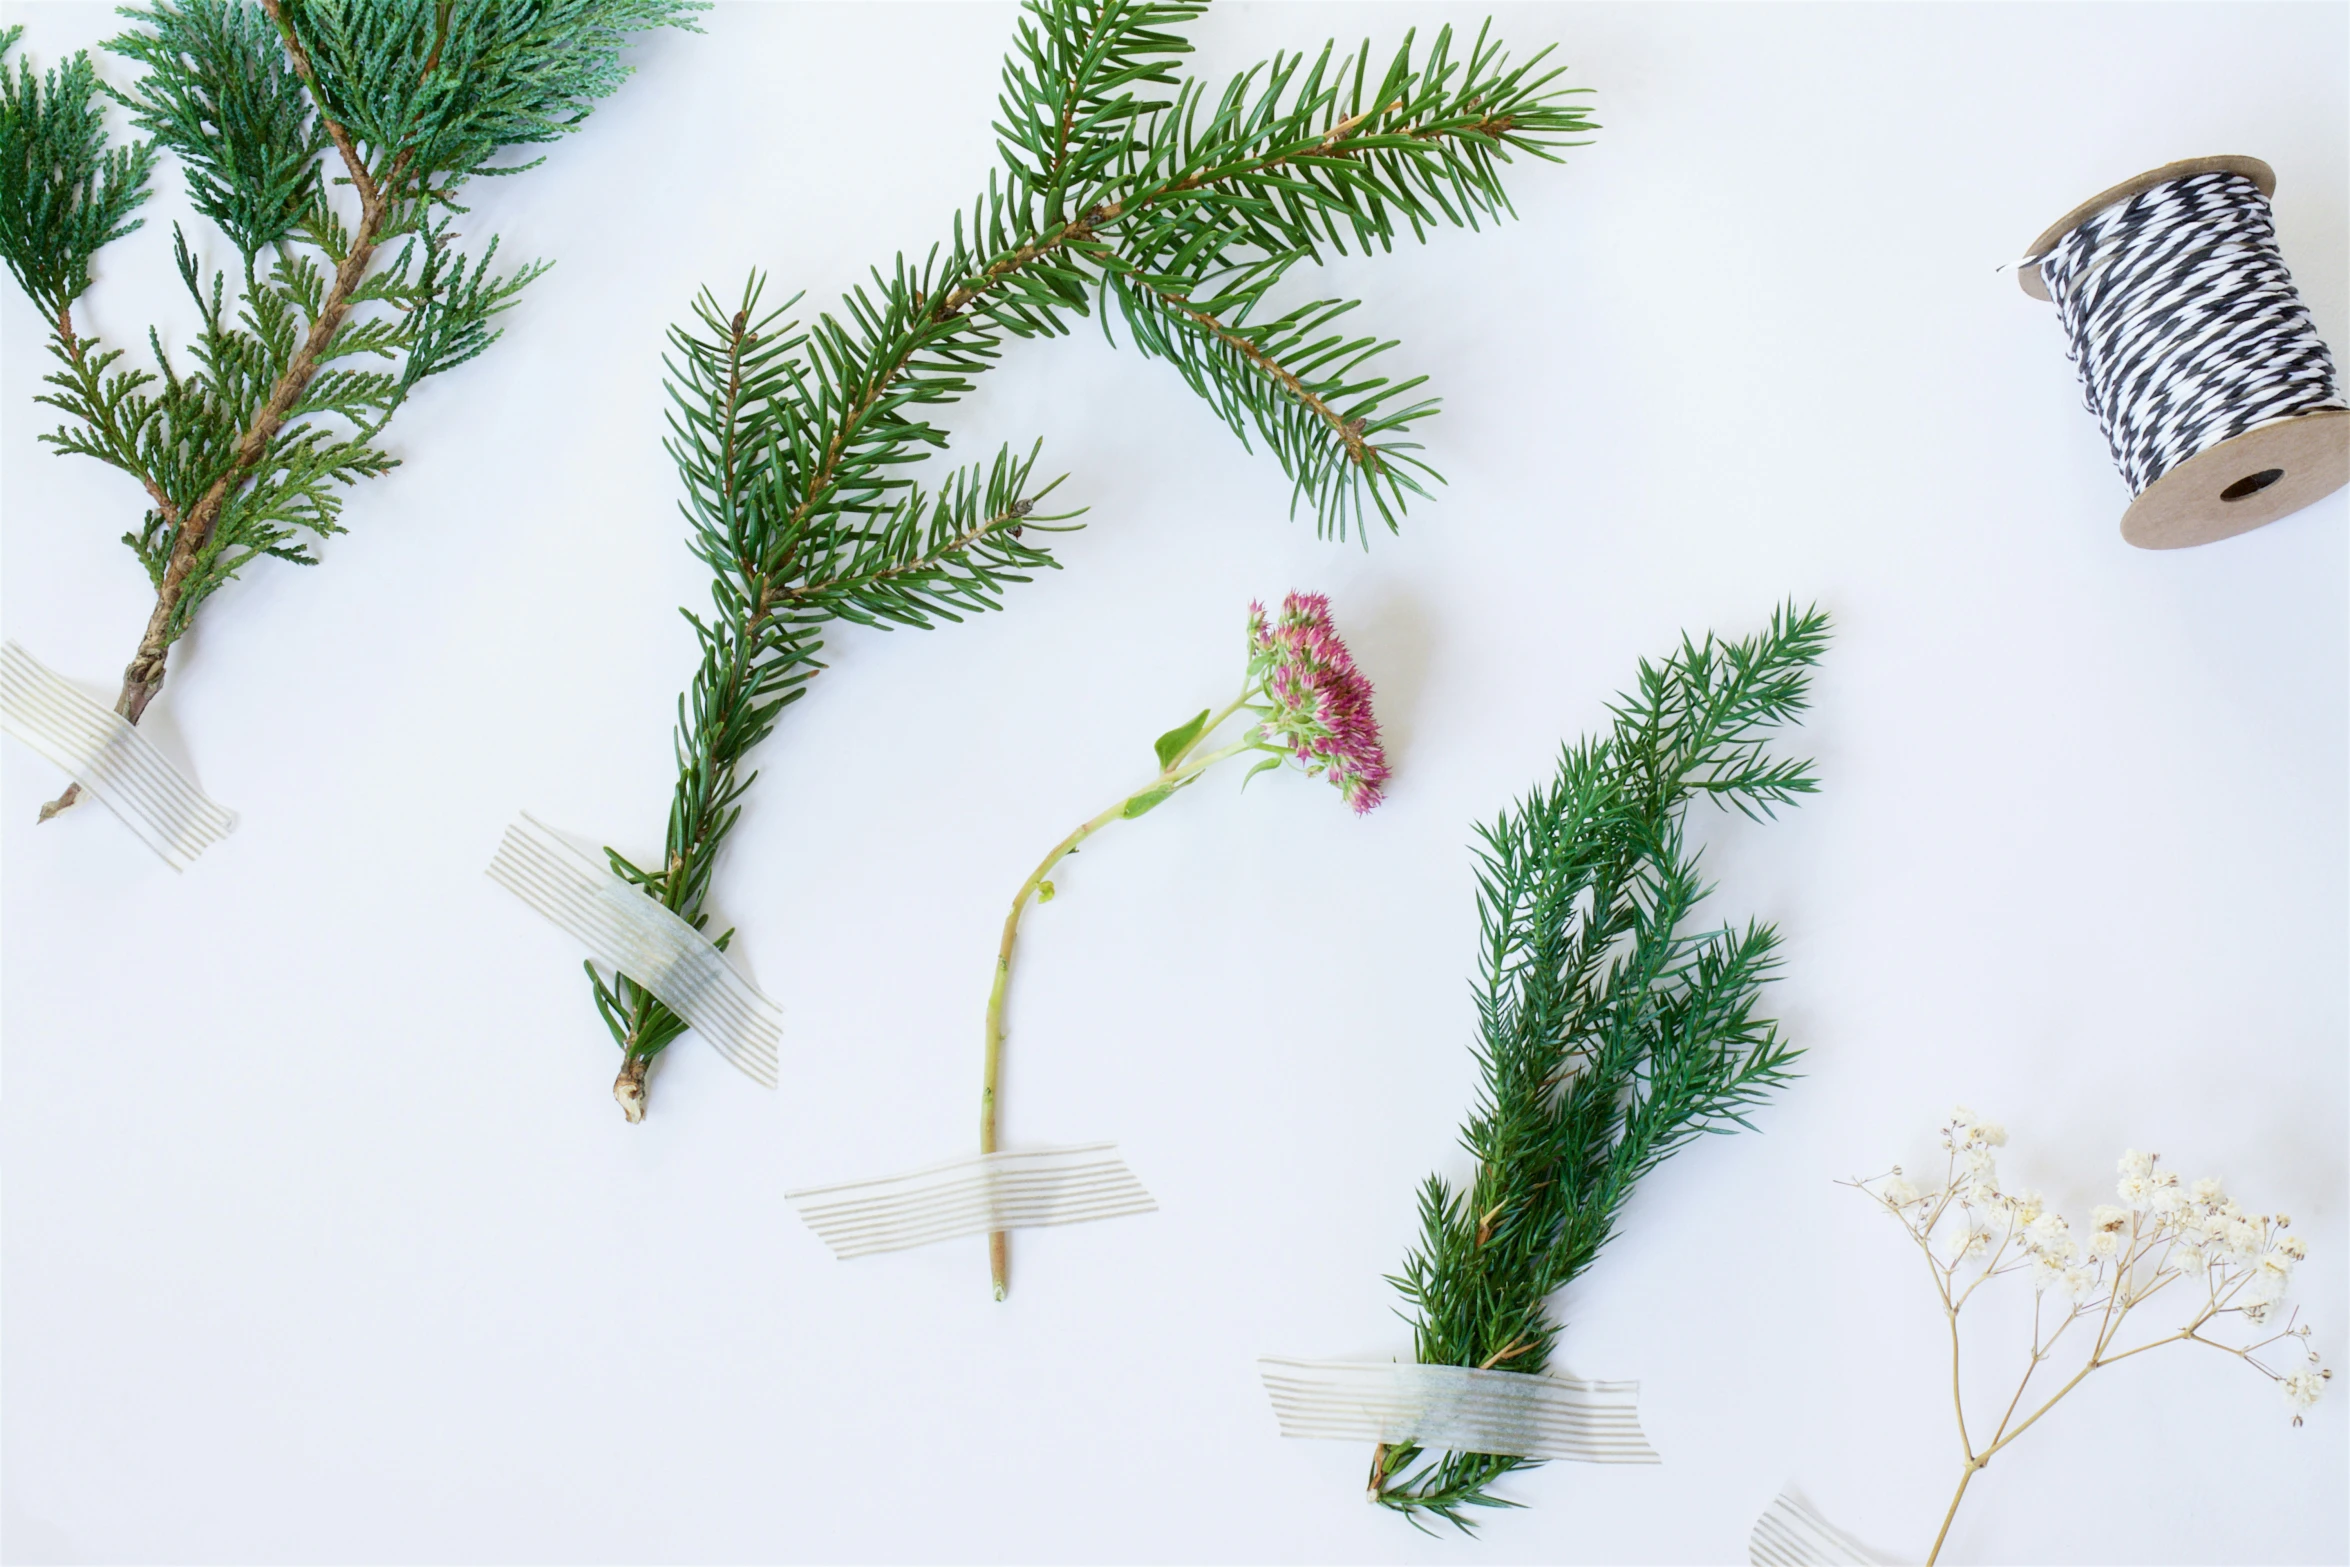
(2259, 173)
(2245, 482)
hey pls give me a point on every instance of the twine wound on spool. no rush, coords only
(2197, 357)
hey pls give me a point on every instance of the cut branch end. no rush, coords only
(629, 1087)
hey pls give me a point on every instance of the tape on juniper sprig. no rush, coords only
(104, 753)
(2201, 364)
(1790, 1533)
(630, 933)
(979, 1195)
(1458, 1409)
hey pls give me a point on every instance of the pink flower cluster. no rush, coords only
(1321, 703)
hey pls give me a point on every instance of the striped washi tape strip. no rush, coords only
(1458, 1409)
(630, 933)
(978, 1195)
(1791, 1534)
(106, 755)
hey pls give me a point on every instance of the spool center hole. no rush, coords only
(2251, 484)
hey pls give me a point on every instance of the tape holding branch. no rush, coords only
(1790, 1533)
(1458, 1409)
(630, 933)
(979, 1195)
(104, 753)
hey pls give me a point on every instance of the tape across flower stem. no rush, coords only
(976, 1195)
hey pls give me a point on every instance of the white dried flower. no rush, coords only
(2294, 1247)
(2026, 1207)
(2107, 1217)
(2207, 1192)
(2048, 1234)
(2139, 1166)
(1898, 1191)
(2105, 1243)
(2167, 1200)
(2303, 1388)
(2134, 1190)
(2267, 1280)
(2080, 1283)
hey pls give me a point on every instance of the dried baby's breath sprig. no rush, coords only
(2227, 1268)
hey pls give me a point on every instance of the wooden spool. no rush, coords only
(2248, 480)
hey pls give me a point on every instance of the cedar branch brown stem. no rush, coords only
(143, 677)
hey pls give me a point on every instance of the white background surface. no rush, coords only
(324, 1239)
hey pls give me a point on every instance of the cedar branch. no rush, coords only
(143, 677)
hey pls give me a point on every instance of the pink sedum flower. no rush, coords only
(1321, 703)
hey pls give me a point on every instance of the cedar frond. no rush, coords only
(1610, 1032)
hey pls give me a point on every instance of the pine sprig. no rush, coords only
(745, 421)
(1610, 1033)
(801, 450)
(327, 140)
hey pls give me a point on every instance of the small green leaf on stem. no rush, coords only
(1174, 743)
(1265, 766)
(1148, 800)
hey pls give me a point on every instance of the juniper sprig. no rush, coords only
(1122, 188)
(1610, 1033)
(327, 140)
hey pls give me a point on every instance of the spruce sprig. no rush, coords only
(1609, 1032)
(1122, 188)
(327, 140)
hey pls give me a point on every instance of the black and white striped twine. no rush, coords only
(2183, 322)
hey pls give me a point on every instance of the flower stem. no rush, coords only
(1180, 769)
(1965, 1476)
(998, 1260)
